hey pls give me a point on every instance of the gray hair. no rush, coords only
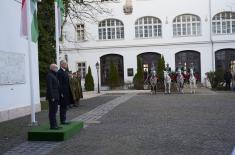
(62, 62)
(52, 66)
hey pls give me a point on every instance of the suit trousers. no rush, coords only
(53, 108)
(63, 109)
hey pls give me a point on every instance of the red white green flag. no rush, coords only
(60, 12)
(34, 22)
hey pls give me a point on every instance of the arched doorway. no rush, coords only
(105, 62)
(191, 58)
(148, 58)
(224, 59)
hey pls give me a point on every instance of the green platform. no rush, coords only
(43, 133)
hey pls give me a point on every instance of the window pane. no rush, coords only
(224, 27)
(233, 27)
(145, 20)
(183, 18)
(145, 31)
(122, 32)
(159, 31)
(198, 28)
(149, 20)
(194, 28)
(136, 32)
(228, 27)
(104, 33)
(189, 29)
(103, 23)
(214, 27)
(178, 29)
(150, 31)
(218, 28)
(141, 31)
(155, 21)
(184, 29)
(174, 30)
(188, 18)
(155, 30)
(109, 33)
(100, 34)
(113, 33)
(112, 22)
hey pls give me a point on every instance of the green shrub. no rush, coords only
(161, 68)
(216, 78)
(138, 79)
(113, 78)
(89, 81)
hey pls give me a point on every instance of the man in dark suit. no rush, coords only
(65, 91)
(53, 95)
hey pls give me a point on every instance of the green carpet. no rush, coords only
(43, 133)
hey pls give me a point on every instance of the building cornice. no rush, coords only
(148, 45)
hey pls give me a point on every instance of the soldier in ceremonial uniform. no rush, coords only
(80, 85)
(75, 89)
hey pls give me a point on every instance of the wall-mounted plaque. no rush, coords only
(130, 72)
(12, 68)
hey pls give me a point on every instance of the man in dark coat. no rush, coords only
(228, 78)
(65, 91)
(53, 95)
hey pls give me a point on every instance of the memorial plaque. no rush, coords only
(12, 68)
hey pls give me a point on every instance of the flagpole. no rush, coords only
(33, 119)
(57, 35)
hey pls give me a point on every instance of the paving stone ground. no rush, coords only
(14, 132)
(201, 124)
(144, 124)
(43, 148)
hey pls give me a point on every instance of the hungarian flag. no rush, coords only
(60, 12)
(34, 22)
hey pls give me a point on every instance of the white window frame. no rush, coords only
(145, 27)
(82, 67)
(111, 29)
(186, 25)
(223, 23)
(80, 32)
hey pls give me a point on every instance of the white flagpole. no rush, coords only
(57, 35)
(33, 119)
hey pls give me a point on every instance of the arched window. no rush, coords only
(186, 25)
(224, 23)
(111, 29)
(148, 27)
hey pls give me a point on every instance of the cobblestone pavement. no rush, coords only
(33, 148)
(97, 113)
(14, 133)
(43, 148)
(160, 125)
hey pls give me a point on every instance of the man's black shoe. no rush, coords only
(75, 105)
(70, 106)
(56, 128)
(65, 123)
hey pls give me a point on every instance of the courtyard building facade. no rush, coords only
(198, 33)
(16, 90)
